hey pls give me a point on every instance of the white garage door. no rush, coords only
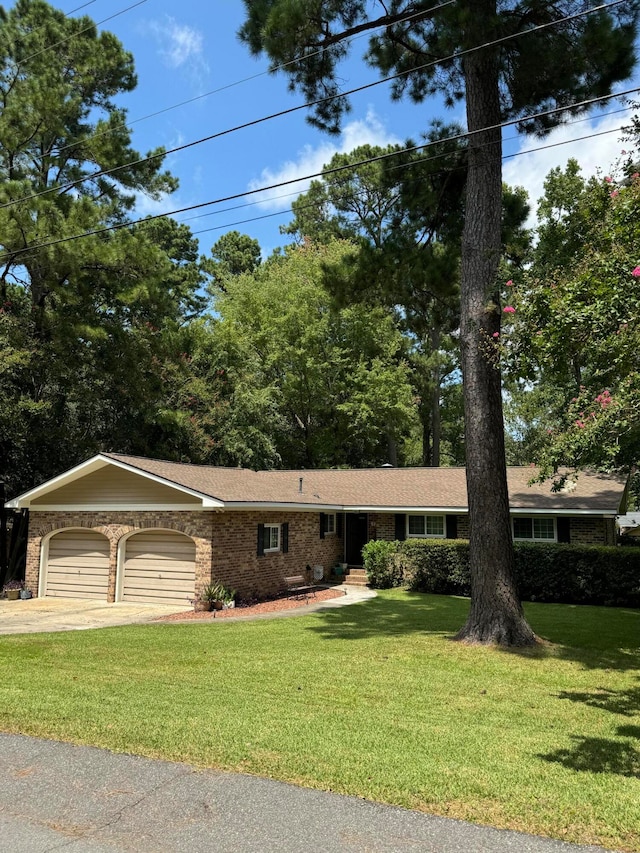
(78, 565)
(160, 567)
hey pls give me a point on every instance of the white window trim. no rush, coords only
(270, 527)
(534, 538)
(330, 524)
(426, 515)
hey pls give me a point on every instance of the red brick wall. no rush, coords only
(226, 544)
(592, 531)
(235, 558)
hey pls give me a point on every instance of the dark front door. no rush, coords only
(356, 537)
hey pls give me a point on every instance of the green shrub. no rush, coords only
(437, 565)
(567, 574)
(578, 574)
(382, 563)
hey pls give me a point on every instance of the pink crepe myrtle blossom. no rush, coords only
(580, 424)
(636, 175)
(496, 334)
(636, 272)
(509, 309)
(614, 193)
(510, 283)
(608, 179)
(605, 399)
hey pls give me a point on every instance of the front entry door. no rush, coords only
(357, 536)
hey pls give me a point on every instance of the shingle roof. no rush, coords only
(436, 488)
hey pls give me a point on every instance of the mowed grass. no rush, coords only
(373, 699)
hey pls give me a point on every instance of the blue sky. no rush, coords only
(184, 50)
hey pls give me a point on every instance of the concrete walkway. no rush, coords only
(56, 796)
(72, 614)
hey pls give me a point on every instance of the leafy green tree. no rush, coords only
(404, 223)
(89, 323)
(504, 68)
(575, 333)
(338, 377)
(233, 254)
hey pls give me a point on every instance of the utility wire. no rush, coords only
(248, 79)
(406, 165)
(381, 157)
(290, 110)
(311, 205)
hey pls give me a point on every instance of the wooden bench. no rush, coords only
(299, 585)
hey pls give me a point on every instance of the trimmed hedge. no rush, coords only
(568, 574)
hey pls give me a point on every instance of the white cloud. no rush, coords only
(310, 160)
(596, 153)
(180, 46)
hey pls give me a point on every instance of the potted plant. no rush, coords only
(228, 597)
(210, 594)
(12, 590)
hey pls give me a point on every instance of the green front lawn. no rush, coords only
(373, 700)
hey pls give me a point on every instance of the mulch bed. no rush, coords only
(272, 605)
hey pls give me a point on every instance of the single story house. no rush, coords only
(134, 529)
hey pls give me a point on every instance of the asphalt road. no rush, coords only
(56, 796)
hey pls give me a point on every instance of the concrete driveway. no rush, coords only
(73, 614)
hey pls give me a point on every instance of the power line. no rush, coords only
(411, 149)
(290, 110)
(248, 79)
(411, 163)
(311, 205)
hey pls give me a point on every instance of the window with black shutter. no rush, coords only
(285, 537)
(261, 540)
(401, 526)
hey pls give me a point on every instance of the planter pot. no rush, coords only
(26, 594)
(228, 605)
(202, 606)
(218, 605)
(12, 594)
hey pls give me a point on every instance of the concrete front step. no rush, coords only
(356, 577)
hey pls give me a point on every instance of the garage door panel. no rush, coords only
(78, 562)
(78, 565)
(159, 567)
(182, 567)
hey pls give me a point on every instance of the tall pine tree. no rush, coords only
(497, 59)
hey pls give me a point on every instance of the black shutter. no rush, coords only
(401, 526)
(323, 524)
(339, 523)
(261, 540)
(285, 537)
(563, 526)
(451, 530)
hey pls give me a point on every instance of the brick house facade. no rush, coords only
(134, 516)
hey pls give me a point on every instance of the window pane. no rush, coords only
(543, 528)
(274, 537)
(435, 525)
(522, 528)
(416, 525)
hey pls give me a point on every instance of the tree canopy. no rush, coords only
(511, 60)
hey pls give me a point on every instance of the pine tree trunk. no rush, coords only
(496, 614)
(436, 420)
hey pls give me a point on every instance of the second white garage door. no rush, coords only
(159, 567)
